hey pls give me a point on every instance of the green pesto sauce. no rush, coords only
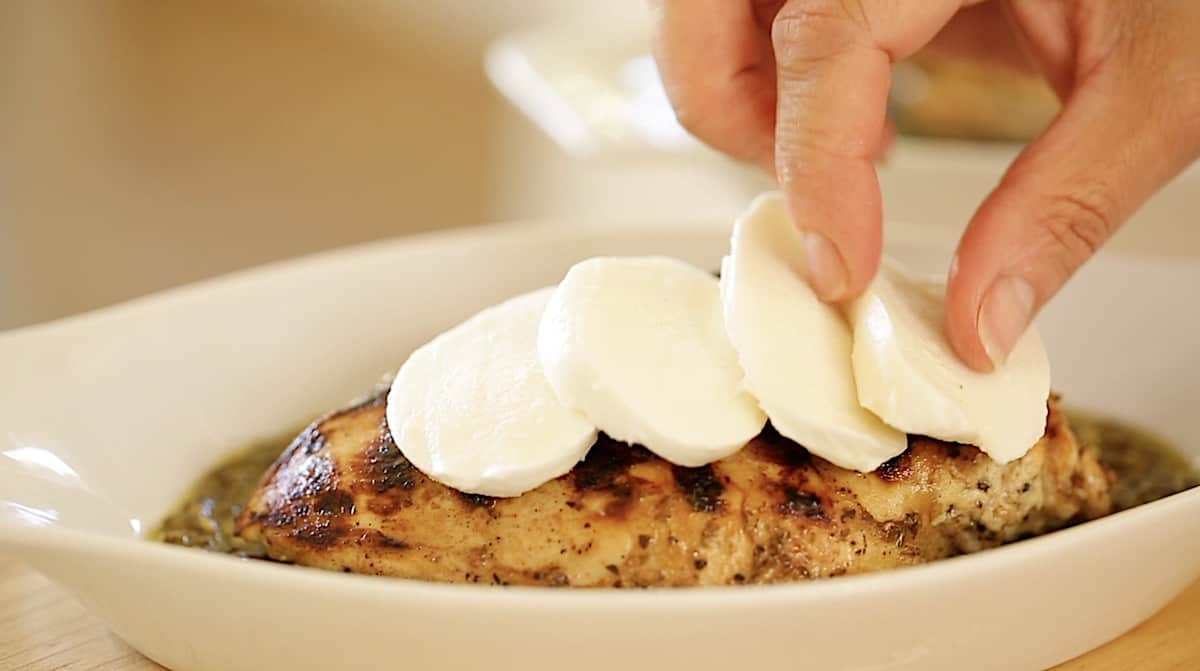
(207, 515)
(1147, 468)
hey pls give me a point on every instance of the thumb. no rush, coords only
(1122, 134)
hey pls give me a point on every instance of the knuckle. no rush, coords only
(807, 31)
(688, 117)
(1078, 222)
(692, 107)
(745, 134)
(1179, 113)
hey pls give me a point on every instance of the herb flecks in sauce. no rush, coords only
(208, 513)
(1146, 467)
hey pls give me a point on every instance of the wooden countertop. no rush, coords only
(44, 628)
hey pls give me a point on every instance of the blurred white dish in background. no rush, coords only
(590, 86)
(116, 413)
(595, 92)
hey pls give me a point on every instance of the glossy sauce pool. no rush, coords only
(1146, 467)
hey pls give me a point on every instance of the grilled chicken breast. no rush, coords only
(342, 497)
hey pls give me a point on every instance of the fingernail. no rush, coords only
(1004, 315)
(826, 272)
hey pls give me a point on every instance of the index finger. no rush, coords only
(833, 66)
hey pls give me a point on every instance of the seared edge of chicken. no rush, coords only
(343, 497)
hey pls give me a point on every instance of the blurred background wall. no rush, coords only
(146, 144)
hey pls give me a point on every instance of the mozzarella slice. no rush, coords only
(637, 345)
(909, 375)
(472, 408)
(795, 349)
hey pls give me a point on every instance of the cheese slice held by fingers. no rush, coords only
(909, 375)
(795, 349)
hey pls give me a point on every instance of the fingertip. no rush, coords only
(1004, 315)
(826, 268)
(997, 282)
(860, 270)
(965, 285)
(836, 205)
(868, 254)
(962, 329)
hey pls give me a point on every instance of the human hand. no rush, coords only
(800, 87)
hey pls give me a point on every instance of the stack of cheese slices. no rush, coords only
(656, 352)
